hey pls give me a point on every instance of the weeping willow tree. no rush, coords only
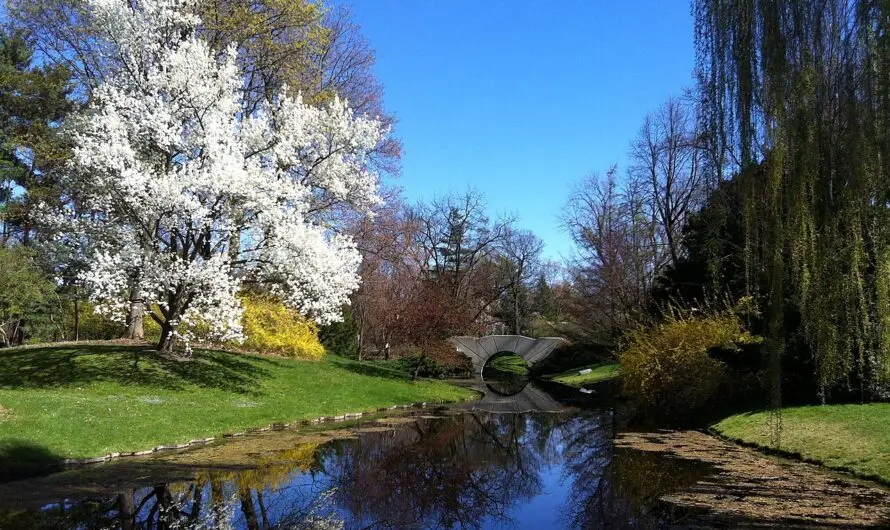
(797, 99)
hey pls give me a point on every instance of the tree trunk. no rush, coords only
(165, 344)
(516, 312)
(126, 510)
(235, 239)
(360, 335)
(18, 334)
(197, 502)
(249, 510)
(262, 503)
(420, 364)
(76, 320)
(135, 328)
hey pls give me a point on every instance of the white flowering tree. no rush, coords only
(194, 198)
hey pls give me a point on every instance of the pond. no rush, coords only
(531, 459)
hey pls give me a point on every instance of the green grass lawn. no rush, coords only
(66, 401)
(849, 437)
(508, 364)
(599, 372)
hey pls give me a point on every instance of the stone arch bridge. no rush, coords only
(481, 349)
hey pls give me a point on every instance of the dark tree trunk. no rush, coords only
(165, 344)
(516, 313)
(249, 510)
(126, 510)
(263, 512)
(197, 502)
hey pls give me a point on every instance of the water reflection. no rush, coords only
(460, 470)
(613, 487)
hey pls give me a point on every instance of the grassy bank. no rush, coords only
(598, 373)
(853, 438)
(512, 365)
(73, 401)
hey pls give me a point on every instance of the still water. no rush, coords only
(446, 468)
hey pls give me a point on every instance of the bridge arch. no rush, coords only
(481, 349)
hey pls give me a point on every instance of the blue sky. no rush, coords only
(521, 99)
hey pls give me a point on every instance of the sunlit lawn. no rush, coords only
(509, 365)
(90, 400)
(850, 437)
(598, 373)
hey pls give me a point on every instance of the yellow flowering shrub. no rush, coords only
(271, 327)
(667, 370)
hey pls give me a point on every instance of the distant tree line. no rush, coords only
(439, 268)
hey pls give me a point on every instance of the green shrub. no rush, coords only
(30, 309)
(93, 326)
(432, 367)
(668, 369)
(341, 337)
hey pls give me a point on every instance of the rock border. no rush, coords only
(276, 426)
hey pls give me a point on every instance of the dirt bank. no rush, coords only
(751, 489)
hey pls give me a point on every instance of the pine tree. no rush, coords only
(33, 103)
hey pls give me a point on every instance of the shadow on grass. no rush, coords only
(22, 459)
(368, 369)
(72, 365)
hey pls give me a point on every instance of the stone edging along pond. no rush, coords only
(278, 426)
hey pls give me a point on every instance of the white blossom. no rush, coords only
(174, 171)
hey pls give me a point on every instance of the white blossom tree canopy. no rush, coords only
(195, 198)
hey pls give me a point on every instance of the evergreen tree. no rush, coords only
(33, 102)
(544, 298)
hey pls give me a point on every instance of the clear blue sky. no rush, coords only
(522, 98)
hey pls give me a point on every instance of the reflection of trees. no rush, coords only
(465, 470)
(159, 507)
(441, 473)
(193, 505)
(613, 487)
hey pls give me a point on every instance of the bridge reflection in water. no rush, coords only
(511, 397)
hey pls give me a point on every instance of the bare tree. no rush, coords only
(618, 251)
(436, 269)
(668, 164)
(389, 272)
(522, 255)
(461, 248)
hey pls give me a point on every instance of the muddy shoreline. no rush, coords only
(749, 488)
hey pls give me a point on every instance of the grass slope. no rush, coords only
(599, 372)
(508, 364)
(848, 437)
(90, 400)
